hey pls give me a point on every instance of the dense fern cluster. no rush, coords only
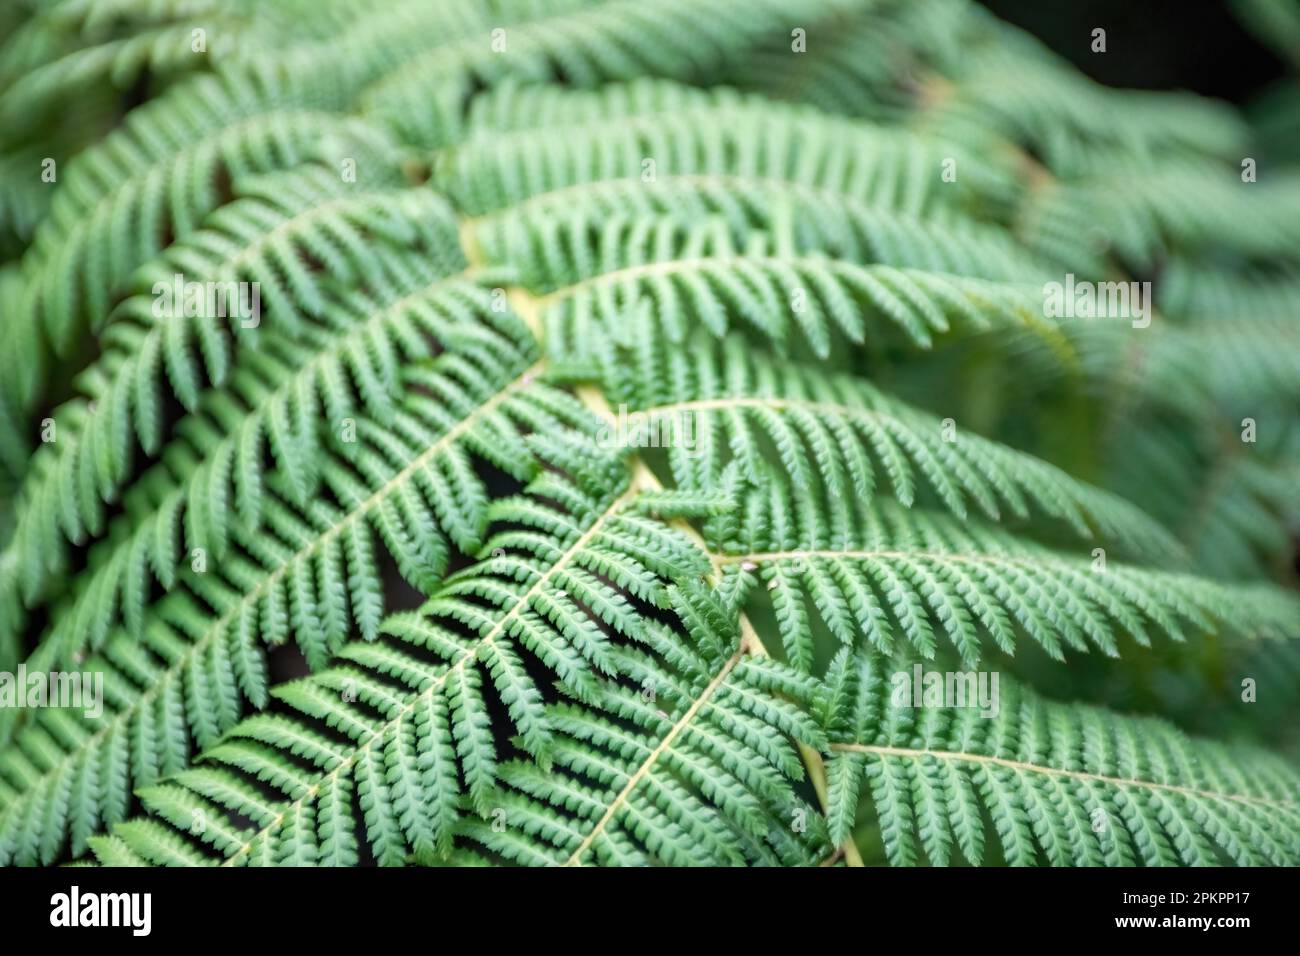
(635, 391)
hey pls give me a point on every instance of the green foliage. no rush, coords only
(632, 397)
(1063, 784)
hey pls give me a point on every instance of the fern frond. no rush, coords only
(871, 64)
(398, 724)
(409, 487)
(689, 763)
(1065, 784)
(1014, 90)
(1233, 504)
(710, 403)
(885, 168)
(583, 43)
(826, 301)
(162, 51)
(157, 178)
(1146, 211)
(562, 238)
(615, 369)
(1198, 290)
(210, 483)
(91, 459)
(950, 67)
(24, 201)
(885, 575)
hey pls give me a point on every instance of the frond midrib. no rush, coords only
(1020, 766)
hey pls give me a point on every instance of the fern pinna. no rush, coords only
(636, 394)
